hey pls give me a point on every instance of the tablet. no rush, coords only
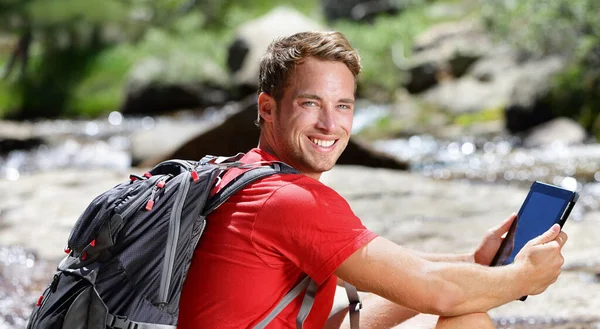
(544, 206)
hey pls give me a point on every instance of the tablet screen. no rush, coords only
(535, 217)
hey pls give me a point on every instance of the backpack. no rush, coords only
(128, 254)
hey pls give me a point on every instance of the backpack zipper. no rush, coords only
(136, 204)
(172, 238)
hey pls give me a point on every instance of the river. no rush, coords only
(106, 143)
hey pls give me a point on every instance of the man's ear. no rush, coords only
(266, 106)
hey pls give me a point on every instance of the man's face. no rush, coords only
(312, 123)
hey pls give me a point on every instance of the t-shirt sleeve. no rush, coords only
(310, 225)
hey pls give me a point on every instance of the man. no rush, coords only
(267, 237)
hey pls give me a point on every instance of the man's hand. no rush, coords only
(487, 249)
(540, 260)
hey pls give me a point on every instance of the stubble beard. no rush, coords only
(307, 161)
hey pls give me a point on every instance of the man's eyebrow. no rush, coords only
(313, 96)
(309, 96)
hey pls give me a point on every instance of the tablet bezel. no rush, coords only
(569, 196)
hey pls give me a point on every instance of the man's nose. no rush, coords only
(327, 121)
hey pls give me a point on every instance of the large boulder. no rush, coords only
(560, 130)
(253, 38)
(239, 134)
(157, 85)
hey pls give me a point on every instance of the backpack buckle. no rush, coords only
(355, 307)
(120, 322)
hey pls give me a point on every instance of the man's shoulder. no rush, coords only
(299, 189)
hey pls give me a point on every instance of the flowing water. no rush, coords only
(105, 143)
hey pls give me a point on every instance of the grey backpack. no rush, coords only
(129, 252)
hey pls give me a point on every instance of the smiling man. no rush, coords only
(265, 239)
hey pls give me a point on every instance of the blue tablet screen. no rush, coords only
(537, 216)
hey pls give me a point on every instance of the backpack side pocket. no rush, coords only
(69, 302)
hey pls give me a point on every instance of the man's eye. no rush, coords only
(344, 107)
(309, 103)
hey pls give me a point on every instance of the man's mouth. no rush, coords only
(323, 142)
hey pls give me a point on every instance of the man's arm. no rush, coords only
(447, 258)
(450, 289)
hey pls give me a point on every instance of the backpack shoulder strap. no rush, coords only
(311, 288)
(244, 179)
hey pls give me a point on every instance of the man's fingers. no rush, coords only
(501, 229)
(562, 238)
(548, 236)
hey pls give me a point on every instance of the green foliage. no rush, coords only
(467, 119)
(565, 27)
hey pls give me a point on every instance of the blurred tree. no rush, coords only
(67, 36)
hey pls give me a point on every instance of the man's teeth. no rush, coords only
(323, 143)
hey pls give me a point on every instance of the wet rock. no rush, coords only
(10, 144)
(358, 10)
(18, 136)
(560, 130)
(253, 38)
(165, 136)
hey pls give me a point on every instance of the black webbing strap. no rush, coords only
(244, 179)
(285, 301)
(307, 303)
(122, 322)
(355, 305)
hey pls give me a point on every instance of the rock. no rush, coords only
(253, 38)
(560, 130)
(468, 95)
(162, 139)
(10, 144)
(18, 136)
(362, 154)
(239, 134)
(445, 50)
(528, 104)
(358, 10)
(488, 84)
(423, 74)
(500, 80)
(163, 98)
(159, 85)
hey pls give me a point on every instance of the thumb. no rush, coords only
(547, 236)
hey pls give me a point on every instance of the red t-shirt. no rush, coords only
(258, 245)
